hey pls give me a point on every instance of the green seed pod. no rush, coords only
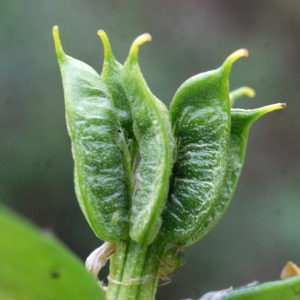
(200, 115)
(171, 261)
(152, 128)
(241, 121)
(102, 176)
(112, 77)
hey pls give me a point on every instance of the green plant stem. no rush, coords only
(133, 270)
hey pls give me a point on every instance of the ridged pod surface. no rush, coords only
(152, 129)
(102, 176)
(112, 77)
(200, 116)
(241, 121)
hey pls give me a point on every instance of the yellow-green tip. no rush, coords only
(265, 109)
(58, 47)
(232, 58)
(236, 55)
(106, 44)
(240, 92)
(146, 37)
(244, 118)
(259, 112)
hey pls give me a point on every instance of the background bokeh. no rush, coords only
(260, 231)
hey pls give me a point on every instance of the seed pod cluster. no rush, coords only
(191, 156)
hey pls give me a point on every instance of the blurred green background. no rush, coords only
(260, 231)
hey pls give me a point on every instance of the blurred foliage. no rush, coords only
(260, 230)
(28, 256)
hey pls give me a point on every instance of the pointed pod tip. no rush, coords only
(258, 112)
(58, 47)
(232, 58)
(249, 92)
(278, 106)
(246, 117)
(265, 109)
(240, 92)
(244, 52)
(104, 38)
(236, 55)
(146, 37)
(101, 33)
(55, 33)
(106, 44)
(244, 91)
(239, 53)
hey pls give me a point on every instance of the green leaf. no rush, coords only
(287, 289)
(34, 265)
